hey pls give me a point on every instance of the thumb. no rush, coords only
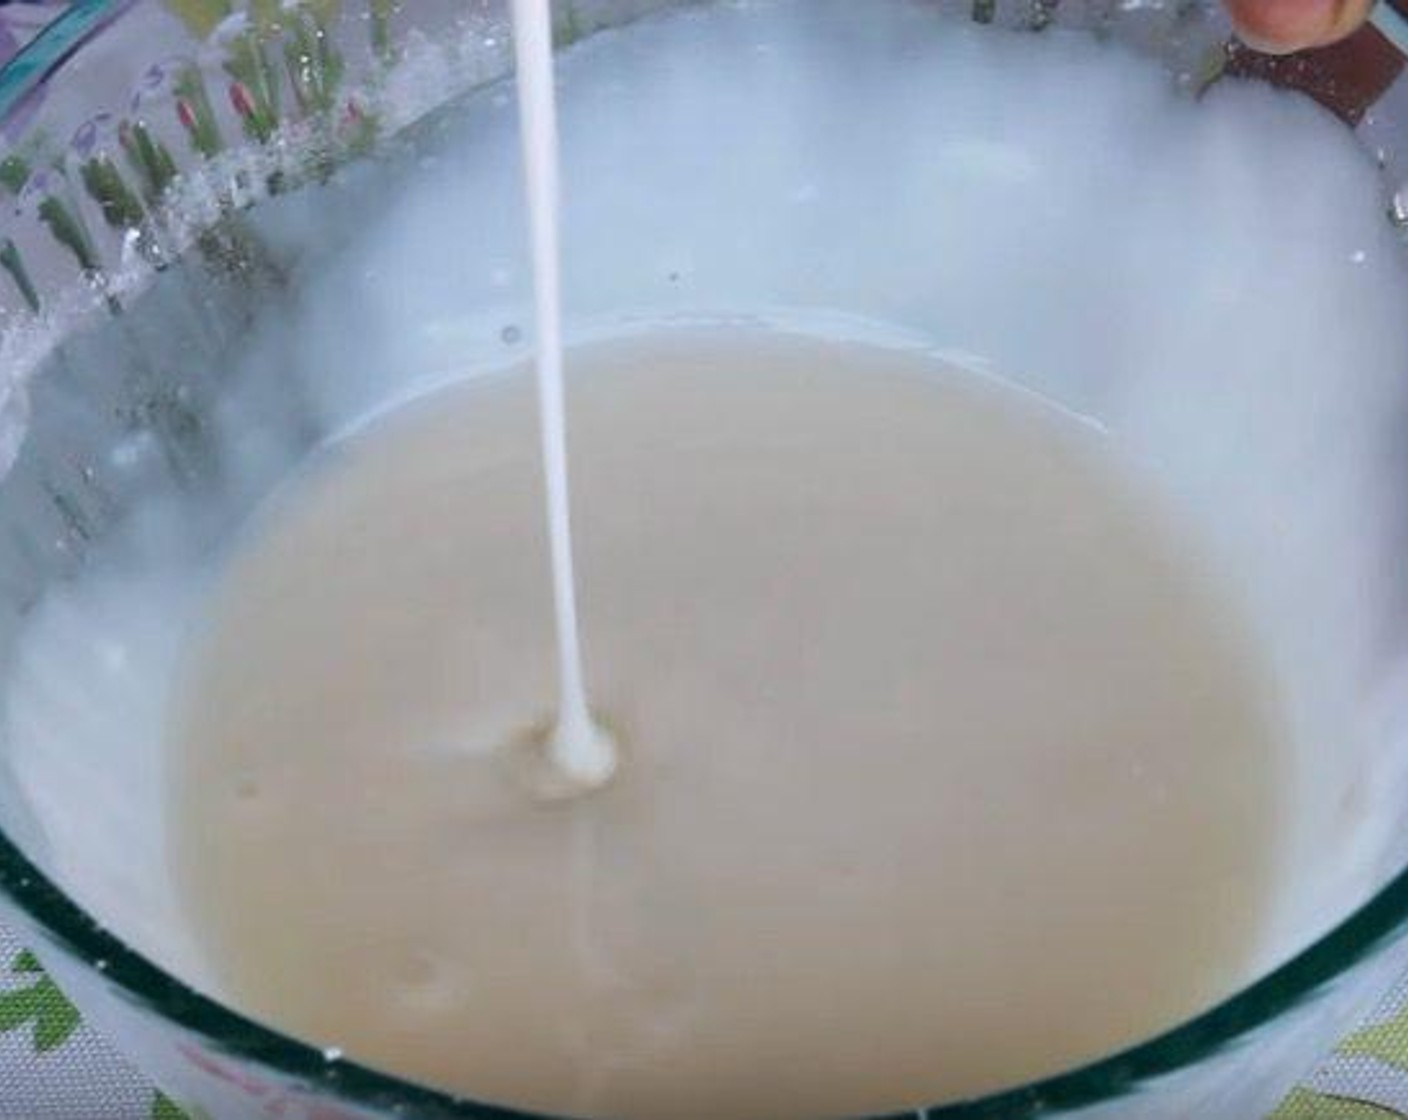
(1283, 26)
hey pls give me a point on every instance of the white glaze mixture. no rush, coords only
(941, 767)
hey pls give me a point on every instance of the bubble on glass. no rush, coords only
(1398, 208)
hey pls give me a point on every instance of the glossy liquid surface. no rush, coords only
(942, 768)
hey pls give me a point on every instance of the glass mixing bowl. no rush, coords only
(141, 140)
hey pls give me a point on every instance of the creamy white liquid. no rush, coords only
(942, 768)
(581, 753)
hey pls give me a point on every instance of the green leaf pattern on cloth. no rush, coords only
(38, 1004)
(1387, 1041)
(164, 1108)
(32, 1008)
(1303, 1104)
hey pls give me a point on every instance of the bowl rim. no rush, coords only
(1382, 919)
(31, 66)
(1378, 922)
